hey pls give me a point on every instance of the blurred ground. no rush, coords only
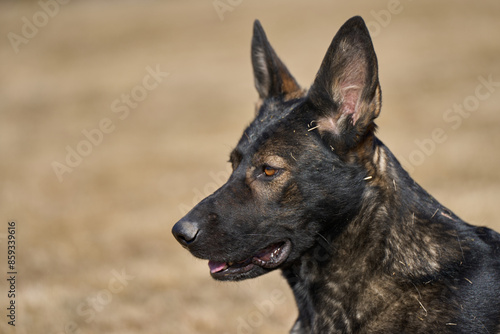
(95, 253)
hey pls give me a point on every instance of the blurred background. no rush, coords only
(116, 117)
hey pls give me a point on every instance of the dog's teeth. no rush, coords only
(230, 264)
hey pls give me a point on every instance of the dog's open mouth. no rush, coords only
(269, 258)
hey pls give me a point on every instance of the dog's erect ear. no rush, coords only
(271, 76)
(346, 91)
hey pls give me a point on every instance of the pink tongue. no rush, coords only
(215, 267)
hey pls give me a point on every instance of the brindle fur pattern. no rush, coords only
(371, 251)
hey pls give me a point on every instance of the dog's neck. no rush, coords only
(385, 244)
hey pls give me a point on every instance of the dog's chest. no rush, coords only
(323, 303)
(333, 300)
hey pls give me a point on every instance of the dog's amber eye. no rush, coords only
(269, 171)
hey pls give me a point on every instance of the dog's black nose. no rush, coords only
(185, 232)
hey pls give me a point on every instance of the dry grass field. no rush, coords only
(117, 116)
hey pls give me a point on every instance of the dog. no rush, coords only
(317, 195)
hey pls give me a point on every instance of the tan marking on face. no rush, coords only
(264, 187)
(275, 161)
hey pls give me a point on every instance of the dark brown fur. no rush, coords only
(314, 193)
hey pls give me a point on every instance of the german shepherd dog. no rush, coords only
(314, 193)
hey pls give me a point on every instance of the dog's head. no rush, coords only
(297, 169)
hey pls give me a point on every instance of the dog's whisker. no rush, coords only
(322, 237)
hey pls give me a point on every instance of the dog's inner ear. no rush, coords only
(346, 91)
(271, 76)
